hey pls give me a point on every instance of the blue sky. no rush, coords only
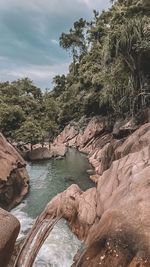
(29, 36)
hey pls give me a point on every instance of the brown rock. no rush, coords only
(58, 150)
(13, 175)
(39, 153)
(135, 142)
(95, 127)
(121, 236)
(9, 229)
(123, 128)
(46, 152)
(69, 132)
(78, 207)
(114, 217)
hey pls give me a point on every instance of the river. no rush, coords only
(48, 178)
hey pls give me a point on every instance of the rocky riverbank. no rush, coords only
(13, 187)
(112, 218)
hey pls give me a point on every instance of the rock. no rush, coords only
(14, 178)
(120, 237)
(90, 171)
(135, 142)
(58, 150)
(114, 218)
(123, 128)
(69, 132)
(95, 127)
(39, 153)
(78, 207)
(9, 230)
(46, 152)
(94, 178)
(59, 158)
(18, 245)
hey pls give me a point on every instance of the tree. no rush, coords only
(11, 118)
(75, 40)
(30, 132)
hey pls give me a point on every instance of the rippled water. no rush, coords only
(47, 179)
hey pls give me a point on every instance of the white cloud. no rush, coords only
(54, 41)
(39, 74)
(30, 31)
(87, 3)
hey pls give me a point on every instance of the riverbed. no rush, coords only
(48, 178)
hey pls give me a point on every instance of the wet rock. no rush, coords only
(59, 157)
(90, 171)
(78, 207)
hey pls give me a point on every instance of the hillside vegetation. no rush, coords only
(109, 74)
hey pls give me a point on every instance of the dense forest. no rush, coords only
(109, 74)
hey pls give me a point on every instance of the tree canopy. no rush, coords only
(109, 74)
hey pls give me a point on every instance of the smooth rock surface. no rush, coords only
(14, 178)
(114, 217)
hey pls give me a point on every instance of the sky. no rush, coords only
(29, 36)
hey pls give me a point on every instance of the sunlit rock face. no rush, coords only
(121, 235)
(14, 178)
(114, 217)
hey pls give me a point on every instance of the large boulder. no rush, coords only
(39, 153)
(94, 128)
(14, 178)
(120, 235)
(9, 230)
(46, 152)
(69, 132)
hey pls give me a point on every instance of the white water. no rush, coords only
(59, 248)
(47, 178)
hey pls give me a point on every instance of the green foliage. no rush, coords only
(109, 73)
(25, 113)
(11, 118)
(113, 73)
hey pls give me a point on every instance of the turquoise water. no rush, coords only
(51, 177)
(48, 178)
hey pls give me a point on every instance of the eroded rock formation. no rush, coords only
(13, 175)
(114, 217)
